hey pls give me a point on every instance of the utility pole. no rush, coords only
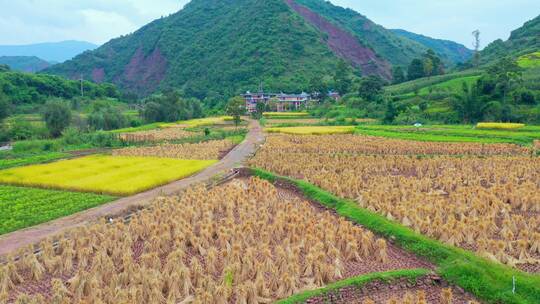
(82, 87)
(476, 45)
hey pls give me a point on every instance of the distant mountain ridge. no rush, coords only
(52, 52)
(215, 48)
(29, 64)
(449, 51)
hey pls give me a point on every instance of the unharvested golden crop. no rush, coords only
(489, 204)
(199, 122)
(282, 114)
(312, 130)
(164, 134)
(499, 125)
(239, 243)
(104, 174)
(206, 150)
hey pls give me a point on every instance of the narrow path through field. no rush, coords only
(18, 239)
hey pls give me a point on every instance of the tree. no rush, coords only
(5, 107)
(476, 45)
(342, 78)
(170, 107)
(398, 75)
(505, 73)
(318, 87)
(468, 105)
(391, 113)
(371, 88)
(433, 65)
(236, 107)
(57, 116)
(416, 69)
(260, 107)
(428, 67)
(106, 117)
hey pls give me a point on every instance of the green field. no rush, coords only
(411, 86)
(10, 160)
(530, 60)
(25, 207)
(453, 133)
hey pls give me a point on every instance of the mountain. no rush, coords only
(30, 64)
(51, 51)
(523, 40)
(450, 51)
(218, 48)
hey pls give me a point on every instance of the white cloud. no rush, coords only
(32, 21)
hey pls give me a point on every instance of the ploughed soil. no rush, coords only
(383, 292)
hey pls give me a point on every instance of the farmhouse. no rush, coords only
(279, 102)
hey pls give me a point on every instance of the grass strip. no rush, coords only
(487, 280)
(359, 281)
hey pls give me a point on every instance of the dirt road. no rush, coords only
(18, 239)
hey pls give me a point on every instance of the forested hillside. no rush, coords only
(451, 52)
(24, 89)
(522, 41)
(215, 49)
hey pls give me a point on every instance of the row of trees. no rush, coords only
(171, 106)
(429, 65)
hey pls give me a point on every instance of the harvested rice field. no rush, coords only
(487, 201)
(242, 242)
(312, 130)
(157, 135)
(214, 149)
(102, 174)
(422, 290)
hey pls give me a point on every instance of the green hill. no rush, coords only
(451, 52)
(29, 64)
(25, 90)
(217, 48)
(522, 41)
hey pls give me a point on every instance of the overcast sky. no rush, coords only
(97, 21)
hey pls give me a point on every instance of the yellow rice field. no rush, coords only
(116, 175)
(499, 125)
(199, 122)
(313, 130)
(287, 114)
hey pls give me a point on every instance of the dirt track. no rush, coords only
(21, 238)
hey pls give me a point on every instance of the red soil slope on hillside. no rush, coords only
(345, 44)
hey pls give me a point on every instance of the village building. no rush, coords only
(279, 102)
